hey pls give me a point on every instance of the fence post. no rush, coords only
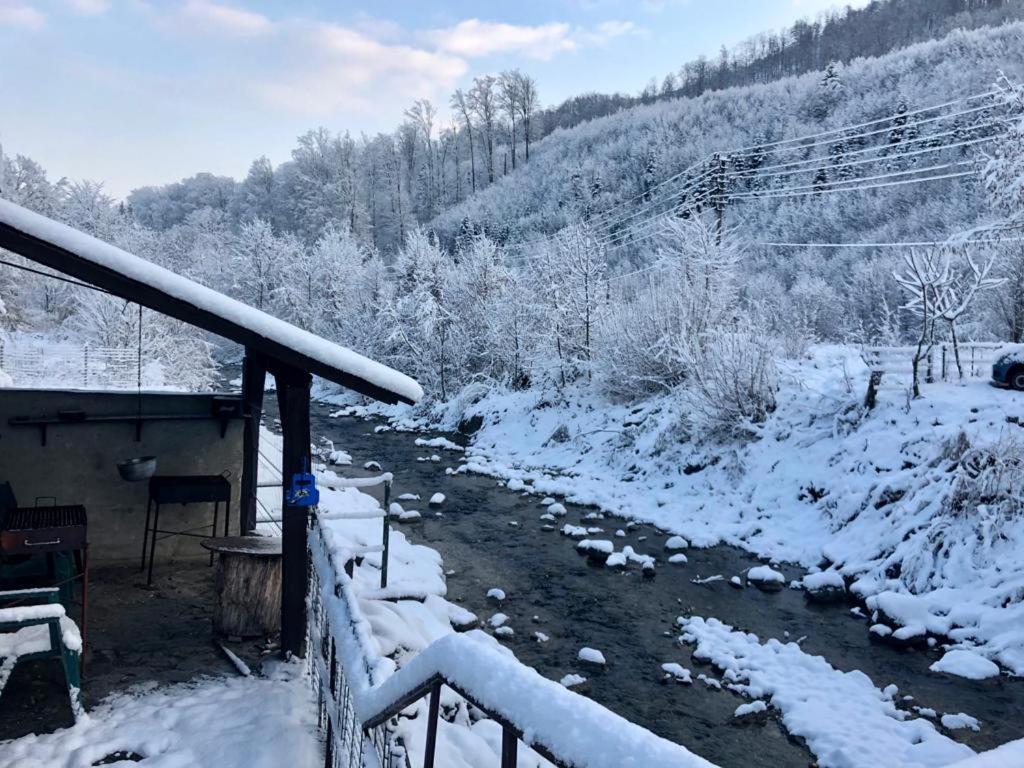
(387, 536)
(944, 377)
(432, 715)
(85, 366)
(509, 747)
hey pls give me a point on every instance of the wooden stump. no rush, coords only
(247, 581)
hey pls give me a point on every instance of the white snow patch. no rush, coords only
(591, 656)
(967, 664)
(845, 720)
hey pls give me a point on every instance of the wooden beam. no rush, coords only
(129, 289)
(254, 376)
(293, 400)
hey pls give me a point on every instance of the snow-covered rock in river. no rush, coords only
(409, 497)
(676, 542)
(766, 577)
(966, 664)
(678, 558)
(437, 499)
(596, 549)
(824, 587)
(591, 656)
(497, 620)
(556, 509)
(495, 593)
(574, 531)
(677, 672)
(572, 680)
(753, 708)
(504, 631)
(372, 466)
(958, 721)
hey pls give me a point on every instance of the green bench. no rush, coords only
(34, 625)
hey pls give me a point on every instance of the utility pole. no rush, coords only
(719, 164)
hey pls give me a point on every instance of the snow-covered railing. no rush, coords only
(360, 696)
(340, 664)
(976, 360)
(33, 364)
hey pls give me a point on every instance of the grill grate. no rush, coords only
(34, 518)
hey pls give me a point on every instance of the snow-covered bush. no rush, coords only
(989, 476)
(647, 337)
(732, 384)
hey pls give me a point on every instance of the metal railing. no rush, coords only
(339, 664)
(360, 697)
(37, 364)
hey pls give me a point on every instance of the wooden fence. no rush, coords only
(976, 360)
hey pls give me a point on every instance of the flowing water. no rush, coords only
(492, 537)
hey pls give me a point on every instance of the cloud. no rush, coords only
(234, 21)
(89, 7)
(474, 38)
(347, 69)
(19, 15)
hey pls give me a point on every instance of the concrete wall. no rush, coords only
(78, 464)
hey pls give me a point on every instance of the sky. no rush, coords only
(140, 92)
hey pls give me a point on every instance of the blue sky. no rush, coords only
(134, 92)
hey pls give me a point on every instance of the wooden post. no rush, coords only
(254, 375)
(434, 711)
(509, 747)
(293, 400)
(874, 382)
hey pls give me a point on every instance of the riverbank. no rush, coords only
(504, 563)
(885, 502)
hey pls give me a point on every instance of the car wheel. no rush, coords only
(1017, 378)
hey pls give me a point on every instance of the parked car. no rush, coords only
(1008, 368)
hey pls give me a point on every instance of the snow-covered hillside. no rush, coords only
(916, 505)
(604, 162)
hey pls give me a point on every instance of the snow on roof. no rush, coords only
(323, 357)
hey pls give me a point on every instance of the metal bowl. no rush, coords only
(138, 469)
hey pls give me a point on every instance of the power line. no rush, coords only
(916, 244)
(858, 189)
(858, 180)
(876, 121)
(841, 162)
(52, 276)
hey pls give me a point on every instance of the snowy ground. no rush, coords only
(228, 723)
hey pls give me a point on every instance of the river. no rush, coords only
(490, 537)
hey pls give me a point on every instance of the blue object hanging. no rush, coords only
(303, 491)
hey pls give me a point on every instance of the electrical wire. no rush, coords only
(888, 118)
(61, 278)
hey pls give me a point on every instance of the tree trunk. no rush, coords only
(248, 594)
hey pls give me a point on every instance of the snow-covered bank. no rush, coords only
(899, 502)
(845, 720)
